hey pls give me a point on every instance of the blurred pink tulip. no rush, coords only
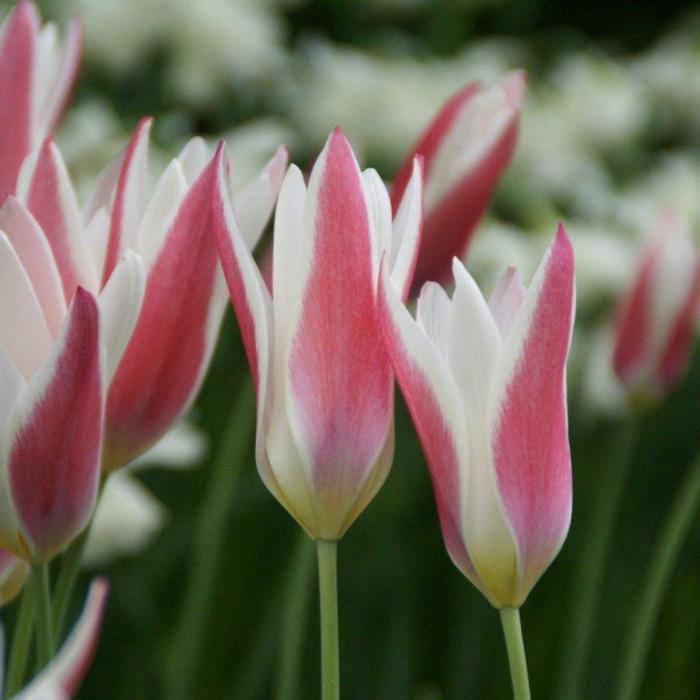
(466, 148)
(324, 384)
(656, 320)
(62, 677)
(37, 73)
(485, 384)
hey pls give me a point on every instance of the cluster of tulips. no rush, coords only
(109, 314)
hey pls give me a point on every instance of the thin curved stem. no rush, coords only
(42, 607)
(328, 589)
(512, 631)
(67, 577)
(21, 641)
(297, 602)
(655, 585)
(594, 552)
(208, 545)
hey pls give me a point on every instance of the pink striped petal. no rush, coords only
(56, 429)
(33, 251)
(62, 677)
(506, 299)
(16, 71)
(340, 400)
(50, 198)
(164, 362)
(130, 197)
(633, 334)
(431, 398)
(529, 417)
(674, 356)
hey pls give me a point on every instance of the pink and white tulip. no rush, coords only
(485, 384)
(62, 677)
(37, 72)
(324, 384)
(657, 318)
(465, 149)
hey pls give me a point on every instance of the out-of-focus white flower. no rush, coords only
(128, 516)
(384, 103)
(208, 43)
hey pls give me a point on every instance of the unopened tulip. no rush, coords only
(62, 677)
(324, 383)
(37, 72)
(166, 354)
(656, 321)
(485, 384)
(465, 149)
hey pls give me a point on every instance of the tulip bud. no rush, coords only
(324, 385)
(36, 75)
(466, 148)
(656, 320)
(485, 385)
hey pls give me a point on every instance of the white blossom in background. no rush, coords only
(208, 43)
(128, 517)
(383, 103)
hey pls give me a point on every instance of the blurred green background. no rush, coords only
(610, 133)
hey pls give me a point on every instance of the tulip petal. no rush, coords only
(379, 212)
(120, 304)
(165, 359)
(54, 443)
(17, 44)
(61, 678)
(505, 300)
(46, 190)
(33, 251)
(529, 416)
(339, 386)
(254, 203)
(130, 197)
(13, 574)
(407, 229)
(434, 404)
(193, 158)
(24, 335)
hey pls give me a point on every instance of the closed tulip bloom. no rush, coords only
(62, 677)
(656, 321)
(465, 149)
(167, 353)
(37, 72)
(485, 384)
(324, 383)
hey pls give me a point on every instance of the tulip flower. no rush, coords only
(37, 72)
(656, 320)
(485, 384)
(324, 383)
(465, 148)
(61, 678)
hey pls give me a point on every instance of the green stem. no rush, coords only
(42, 607)
(328, 588)
(654, 586)
(208, 545)
(594, 552)
(21, 641)
(296, 612)
(65, 584)
(510, 619)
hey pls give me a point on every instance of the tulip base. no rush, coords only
(328, 589)
(510, 619)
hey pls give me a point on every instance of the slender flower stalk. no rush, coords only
(328, 588)
(42, 607)
(655, 584)
(512, 630)
(208, 545)
(21, 642)
(67, 577)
